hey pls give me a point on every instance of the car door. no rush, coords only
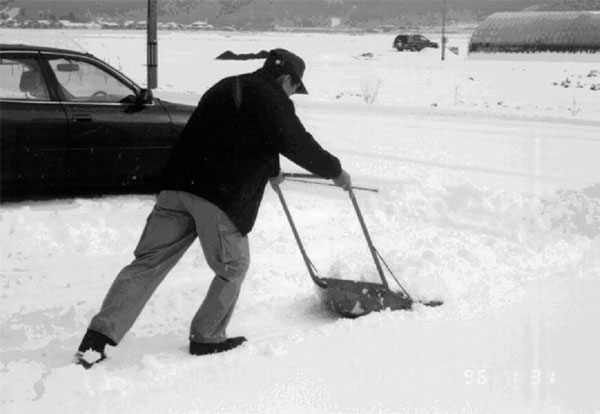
(117, 143)
(33, 129)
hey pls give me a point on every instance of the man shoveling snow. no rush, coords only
(212, 188)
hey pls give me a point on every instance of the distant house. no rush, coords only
(200, 25)
(109, 25)
(538, 32)
(169, 26)
(67, 24)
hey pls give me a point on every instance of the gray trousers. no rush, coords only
(172, 226)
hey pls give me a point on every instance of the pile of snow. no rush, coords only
(514, 334)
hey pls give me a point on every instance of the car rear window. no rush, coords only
(21, 79)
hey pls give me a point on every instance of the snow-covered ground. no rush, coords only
(489, 198)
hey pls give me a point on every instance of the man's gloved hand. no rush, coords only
(277, 180)
(343, 180)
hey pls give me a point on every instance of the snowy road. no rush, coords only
(457, 147)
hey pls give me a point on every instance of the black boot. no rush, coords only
(197, 348)
(92, 341)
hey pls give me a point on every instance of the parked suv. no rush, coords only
(415, 42)
(70, 124)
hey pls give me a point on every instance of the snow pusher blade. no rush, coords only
(349, 298)
(353, 299)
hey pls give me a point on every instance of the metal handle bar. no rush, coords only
(304, 178)
(309, 265)
(311, 268)
(376, 256)
(368, 237)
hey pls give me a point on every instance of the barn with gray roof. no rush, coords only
(538, 32)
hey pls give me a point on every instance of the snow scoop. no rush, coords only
(350, 298)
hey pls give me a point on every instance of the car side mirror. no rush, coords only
(145, 96)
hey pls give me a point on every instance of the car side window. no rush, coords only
(21, 79)
(81, 81)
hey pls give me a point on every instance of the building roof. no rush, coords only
(580, 29)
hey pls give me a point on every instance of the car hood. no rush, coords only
(179, 113)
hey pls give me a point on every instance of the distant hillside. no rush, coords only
(305, 13)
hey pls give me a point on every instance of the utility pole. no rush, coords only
(443, 42)
(152, 45)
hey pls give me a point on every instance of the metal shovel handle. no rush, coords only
(309, 265)
(368, 238)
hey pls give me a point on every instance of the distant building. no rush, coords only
(200, 25)
(67, 24)
(109, 25)
(169, 26)
(538, 32)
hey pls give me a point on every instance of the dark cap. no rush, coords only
(281, 61)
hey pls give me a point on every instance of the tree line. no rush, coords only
(264, 14)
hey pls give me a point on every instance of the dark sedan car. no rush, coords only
(414, 43)
(70, 124)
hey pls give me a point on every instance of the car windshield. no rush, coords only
(81, 81)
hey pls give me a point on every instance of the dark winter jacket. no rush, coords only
(231, 144)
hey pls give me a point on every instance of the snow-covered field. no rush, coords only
(489, 198)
